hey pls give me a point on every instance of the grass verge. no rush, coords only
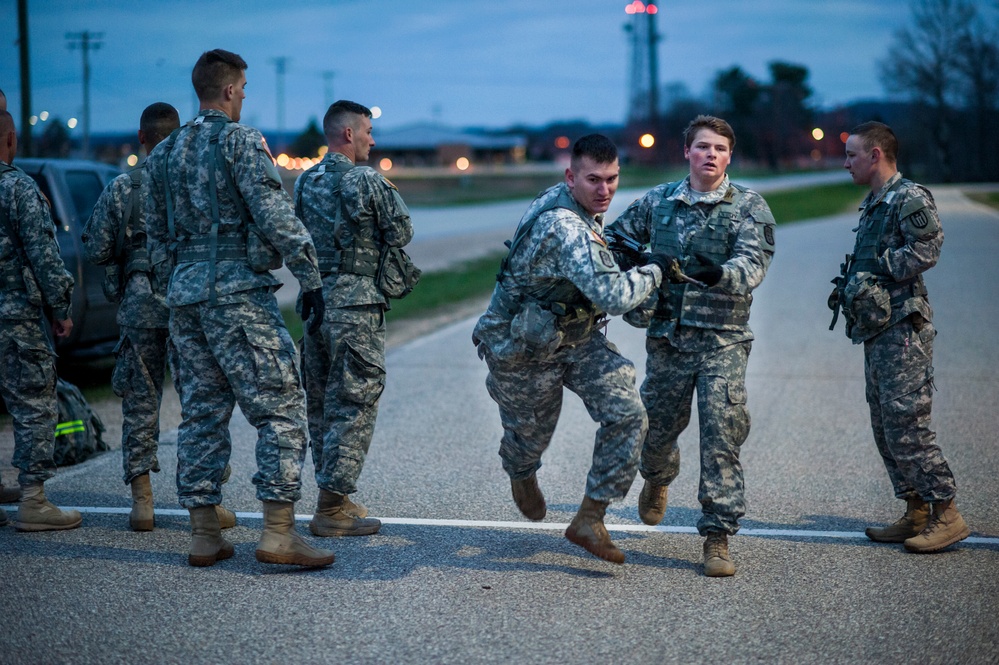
(988, 198)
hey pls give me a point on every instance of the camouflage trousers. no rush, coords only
(719, 376)
(898, 366)
(529, 395)
(237, 352)
(139, 371)
(344, 371)
(28, 387)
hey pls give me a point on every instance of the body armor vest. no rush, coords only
(130, 250)
(693, 306)
(360, 256)
(11, 260)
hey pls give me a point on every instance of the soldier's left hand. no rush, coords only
(313, 310)
(706, 272)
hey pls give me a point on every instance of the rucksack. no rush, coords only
(78, 428)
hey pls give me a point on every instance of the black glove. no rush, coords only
(313, 309)
(706, 272)
(666, 262)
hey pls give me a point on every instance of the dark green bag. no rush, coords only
(78, 428)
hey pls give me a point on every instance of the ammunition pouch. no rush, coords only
(397, 276)
(866, 303)
(538, 329)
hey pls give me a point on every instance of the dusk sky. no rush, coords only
(471, 63)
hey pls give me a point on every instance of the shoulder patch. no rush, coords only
(768, 234)
(601, 257)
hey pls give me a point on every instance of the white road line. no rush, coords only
(546, 526)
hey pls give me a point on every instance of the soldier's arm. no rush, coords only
(271, 208)
(919, 225)
(100, 235)
(585, 260)
(373, 199)
(637, 220)
(753, 248)
(37, 232)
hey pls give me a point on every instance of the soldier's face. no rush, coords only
(592, 184)
(709, 155)
(859, 161)
(362, 140)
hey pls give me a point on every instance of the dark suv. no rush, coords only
(73, 187)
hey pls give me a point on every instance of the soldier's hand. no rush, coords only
(833, 301)
(313, 310)
(706, 272)
(666, 262)
(62, 328)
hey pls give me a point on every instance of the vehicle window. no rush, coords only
(43, 185)
(85, 188)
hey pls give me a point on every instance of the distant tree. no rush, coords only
(947, 63)
(307, 143)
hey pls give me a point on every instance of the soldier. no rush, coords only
(884, 300)
(115, 237)
(32, 276)
(217, 221)
(541, 333)
(698, 335)
(354, 216)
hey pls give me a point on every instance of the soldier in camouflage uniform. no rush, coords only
(884, 300)
(353, 214)
(32, 275)
(699, 336)
(217, 221)
(541, 334)
(115, 237)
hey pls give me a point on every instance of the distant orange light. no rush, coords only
(651, 9)
(647, 140)
(562, 142)
(639, 7)
(844, 136)
(818, 134)
(385, 164)
(462, 163)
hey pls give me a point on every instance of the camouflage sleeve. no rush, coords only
(270, 206)
(637, 220)
(41, 249)
(100, 235)
(155, 218)
(585, 261)
(920, 229)
(374, 202)
(753, 248)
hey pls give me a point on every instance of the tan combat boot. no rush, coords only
(588, 531)
(207, 544)
(36, 513)
(652, 503)
(280, 543)
(946, 527)
(528, 497)
(917, 515)
(227, 518)
(10, 494)
(141, 518)
(717, 561)
(336, 516)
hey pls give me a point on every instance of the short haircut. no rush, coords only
(6, 123)
(597, 147)
(338, 116)
(877, 134)
(717, 125)
(158, 120)
(213, 71)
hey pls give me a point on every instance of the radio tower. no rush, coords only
(643, 99)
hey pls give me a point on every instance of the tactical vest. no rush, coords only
(869, 247)
(133, 257)
(575, 315)
(693, 306)
(361, 255)
(12, 258)
(215, 246)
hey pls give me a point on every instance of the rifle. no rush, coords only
(836, 298)
(630, 253)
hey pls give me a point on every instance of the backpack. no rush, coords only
(78, 429)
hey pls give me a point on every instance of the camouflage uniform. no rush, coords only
(228, 333)
(344, 362)
(899, 237)
(700, 338)
(565, 253)
(27, 359)
(141, 354)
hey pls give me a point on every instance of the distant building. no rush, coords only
(423, 145)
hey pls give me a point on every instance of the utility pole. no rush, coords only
(328, 87)
(23, 53)
(279, 65)
(643, 101)
(86, 41)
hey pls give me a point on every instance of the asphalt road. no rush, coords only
(458, 576)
